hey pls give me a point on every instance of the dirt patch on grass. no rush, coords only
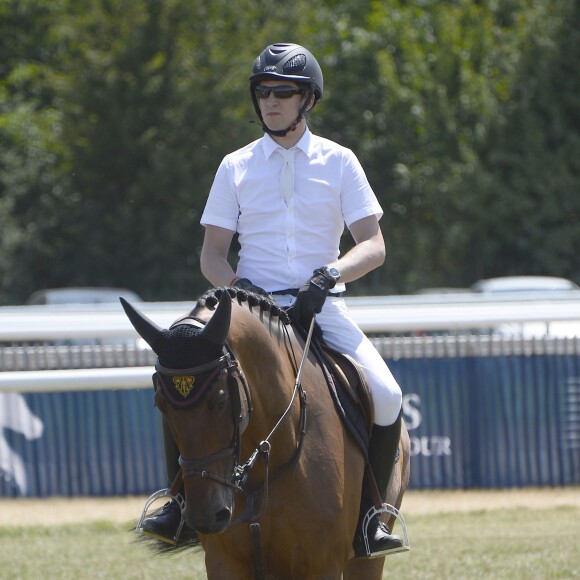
(61, 511)
(429, 502)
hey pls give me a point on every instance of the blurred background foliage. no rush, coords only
(114, 115)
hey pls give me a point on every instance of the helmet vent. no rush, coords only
(279, 48)
(295, 64)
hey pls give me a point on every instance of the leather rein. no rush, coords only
(242, 410)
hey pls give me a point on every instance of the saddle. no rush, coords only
(349, 390)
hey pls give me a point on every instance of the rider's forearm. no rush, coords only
(360, 260)
(214, 256)
(216, 270)
(366, 255)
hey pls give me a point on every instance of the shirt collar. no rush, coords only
(269, 145)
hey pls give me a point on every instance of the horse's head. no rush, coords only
(197, 389)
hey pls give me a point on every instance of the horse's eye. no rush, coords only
(221, 401)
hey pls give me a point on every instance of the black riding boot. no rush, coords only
(163, 524)
(383, 448)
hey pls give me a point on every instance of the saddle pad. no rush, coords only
(353, 379)
(350, 393)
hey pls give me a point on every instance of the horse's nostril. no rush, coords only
(222, 518)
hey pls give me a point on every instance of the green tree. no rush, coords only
(32, 154)
(151, 95)
(115, 114)
(531, 162)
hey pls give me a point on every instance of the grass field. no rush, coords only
(516, 534)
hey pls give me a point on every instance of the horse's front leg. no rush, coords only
(229, 555)
(369, 569)
(225, 568)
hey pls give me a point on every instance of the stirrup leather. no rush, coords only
(152, 499)
(392, 510)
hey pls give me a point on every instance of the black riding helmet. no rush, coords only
(291, 62)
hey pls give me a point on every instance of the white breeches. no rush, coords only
(343, 334)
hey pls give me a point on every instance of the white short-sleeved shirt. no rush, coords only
(281, 245)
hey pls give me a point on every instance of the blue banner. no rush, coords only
(505, 421)
(474, 422)
(95, 443)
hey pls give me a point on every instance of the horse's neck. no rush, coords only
(258, 341)
(266, 353)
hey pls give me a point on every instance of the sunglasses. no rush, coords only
(281, 92)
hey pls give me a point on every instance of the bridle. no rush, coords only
(242, 410)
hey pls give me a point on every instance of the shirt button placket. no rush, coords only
(291, 237)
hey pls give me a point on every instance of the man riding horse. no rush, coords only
(288, 196)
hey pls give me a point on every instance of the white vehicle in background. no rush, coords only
(85, 299)
(527, 284)
(81, 295)
(533, 289)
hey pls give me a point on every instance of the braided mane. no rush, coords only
(211, 298)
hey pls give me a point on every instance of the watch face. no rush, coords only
(334, 273)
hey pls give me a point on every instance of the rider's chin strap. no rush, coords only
(283, 132)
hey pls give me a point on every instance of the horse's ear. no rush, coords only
(218, 326)
(145, 327)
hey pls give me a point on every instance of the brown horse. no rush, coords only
(227, 384)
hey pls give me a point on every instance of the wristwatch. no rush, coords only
(333, 273)
(325, 278)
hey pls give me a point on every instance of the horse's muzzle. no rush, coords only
(209, 523)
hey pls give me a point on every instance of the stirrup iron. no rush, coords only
(152, 499)
(393, 511)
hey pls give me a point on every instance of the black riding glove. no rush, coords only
(311, 297)
(245, 284)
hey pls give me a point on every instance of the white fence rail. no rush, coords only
(388, 314)
(531, 317)
(53, 381)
